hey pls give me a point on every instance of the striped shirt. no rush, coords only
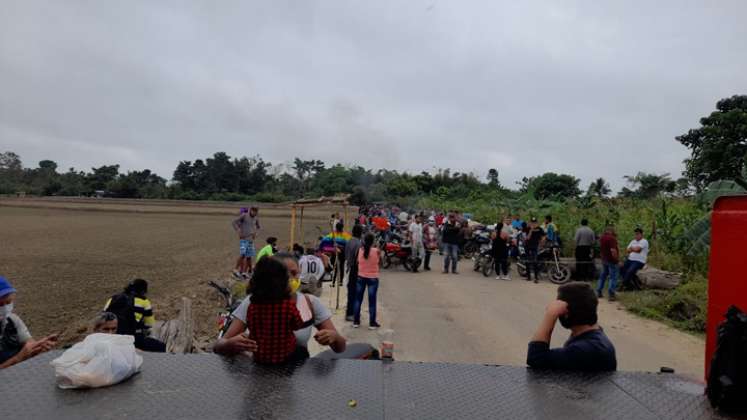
(143, 310)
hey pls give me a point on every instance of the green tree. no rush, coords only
(645, 185)
(719, 146)
(550, 185)
(493, 178)
(599, 188)
(101, 177)
(305, 170)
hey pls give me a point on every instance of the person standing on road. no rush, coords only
(610, 259)
(585, 239)
(450, 240)
(416, 239)
(587, 349)
(246, 226)
(637, 255)
(430, 242)
(368, 278)
(351, 260)
(535, 239)
(501, 236)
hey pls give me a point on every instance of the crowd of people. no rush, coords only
(282, 310)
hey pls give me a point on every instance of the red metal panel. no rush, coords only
(727, 278)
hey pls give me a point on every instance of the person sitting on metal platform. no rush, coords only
(105, 323)
(587, 349)
(312, 310)
(16, 343)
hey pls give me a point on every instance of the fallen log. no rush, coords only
(654, 278)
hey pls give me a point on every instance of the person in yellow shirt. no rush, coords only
(268, 250)
(135, 315)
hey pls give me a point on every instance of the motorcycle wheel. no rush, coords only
(522, 269)
(487, 267)
(560, 274)
(387, 262)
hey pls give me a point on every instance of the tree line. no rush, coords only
(719, 151)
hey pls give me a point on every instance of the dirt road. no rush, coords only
(468, 318)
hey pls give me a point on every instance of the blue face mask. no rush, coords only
(5, 311)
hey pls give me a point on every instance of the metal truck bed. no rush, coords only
(208, 386)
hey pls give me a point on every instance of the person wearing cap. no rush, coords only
(16, 343)
(535, 239)
(637, 255)
(246, 226)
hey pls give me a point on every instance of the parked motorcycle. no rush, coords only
(484, 261)
(480, 237)
(548, 262)
(397, 252)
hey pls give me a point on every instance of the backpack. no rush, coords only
(122, 305)
(727, 379)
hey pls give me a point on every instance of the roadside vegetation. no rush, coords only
(674, 212)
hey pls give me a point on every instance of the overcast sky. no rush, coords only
(582, 87)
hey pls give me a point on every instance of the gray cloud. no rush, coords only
(587, 88)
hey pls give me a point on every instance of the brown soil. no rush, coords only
(67, 256)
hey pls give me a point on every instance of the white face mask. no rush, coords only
(5, 311)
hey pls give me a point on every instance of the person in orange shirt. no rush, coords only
(368, 277)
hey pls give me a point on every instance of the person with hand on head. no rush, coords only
(246, 226)
(312, 310)
(587, 349)
(16, 343)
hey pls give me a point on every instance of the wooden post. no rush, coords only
(293, 227)
(302, 233)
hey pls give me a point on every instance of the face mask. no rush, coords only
(294, 284)
(5, 311)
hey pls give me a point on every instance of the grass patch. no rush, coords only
(684, 307)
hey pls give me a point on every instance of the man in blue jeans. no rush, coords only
(450, 239)
(637, 255)
(610, 259)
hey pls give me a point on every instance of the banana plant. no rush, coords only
(699, 234)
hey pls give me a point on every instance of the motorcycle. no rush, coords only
(548, 261)
(480, 237)
(484, 261)
(396, 253)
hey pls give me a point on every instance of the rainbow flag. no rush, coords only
(328, 242)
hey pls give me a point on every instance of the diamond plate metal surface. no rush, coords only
(201, 387)
(210, 386)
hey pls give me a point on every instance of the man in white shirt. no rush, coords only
(312, 270)
(416, 239)
(637, 255)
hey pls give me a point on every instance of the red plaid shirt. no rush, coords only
(271, 325)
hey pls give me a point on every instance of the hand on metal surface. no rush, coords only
(240, 343)
(325, 337)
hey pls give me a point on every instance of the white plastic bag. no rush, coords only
(99, 360)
